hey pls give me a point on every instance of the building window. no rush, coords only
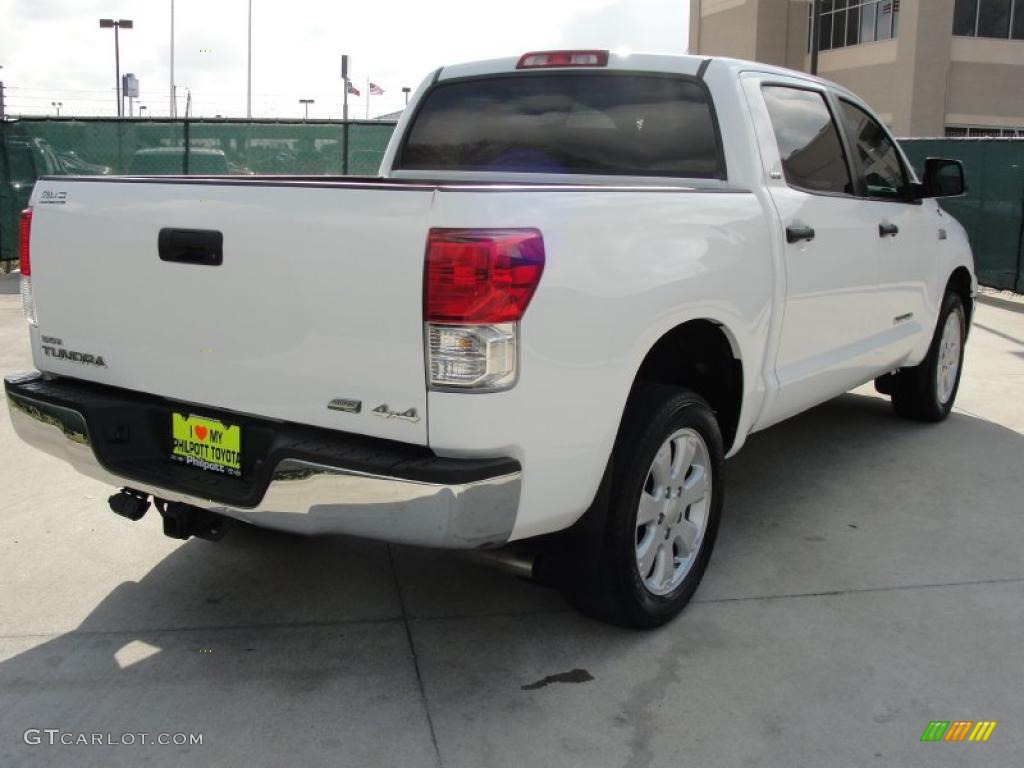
(999, 19)
(965, 131)
(849, 22)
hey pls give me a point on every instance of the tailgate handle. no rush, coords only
(192, 246)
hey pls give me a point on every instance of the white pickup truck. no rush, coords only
(580, 281)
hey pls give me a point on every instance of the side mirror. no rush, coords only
(943, 178)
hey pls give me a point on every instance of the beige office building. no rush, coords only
(928, 67)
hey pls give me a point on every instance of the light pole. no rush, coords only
(344, 114)
(248, 85)
(306, 103)
(815, 34)
(174, 105)
(57, 105)
(405, 90)
(344, 84)
(117, 27)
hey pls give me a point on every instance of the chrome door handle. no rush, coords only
(797, 232)
(888, 229)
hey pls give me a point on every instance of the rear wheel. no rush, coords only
(664, 507)
(927, 391)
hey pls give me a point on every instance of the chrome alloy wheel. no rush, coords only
(949, 358)
(672, 515)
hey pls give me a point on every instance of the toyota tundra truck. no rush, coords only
(578, 283)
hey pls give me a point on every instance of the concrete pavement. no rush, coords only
(868, 578)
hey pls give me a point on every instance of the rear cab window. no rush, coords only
(567, 123)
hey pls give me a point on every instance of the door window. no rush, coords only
(812, 155)
(883, 171)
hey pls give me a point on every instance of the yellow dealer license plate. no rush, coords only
(207, 444)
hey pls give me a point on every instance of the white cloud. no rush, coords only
(55, 50)
(652, 26)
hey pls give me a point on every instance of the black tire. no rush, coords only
(617, 593)
(915, 391)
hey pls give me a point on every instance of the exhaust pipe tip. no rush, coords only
(129, 503)
(508, 559)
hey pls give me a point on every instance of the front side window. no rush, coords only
(812, 156)
(877, 153)
(582, 123)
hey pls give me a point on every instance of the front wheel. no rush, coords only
(665, 503)
(927, 391)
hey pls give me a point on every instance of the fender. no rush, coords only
(747, 348)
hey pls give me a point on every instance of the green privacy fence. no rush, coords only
(992, 212)
(33, 147)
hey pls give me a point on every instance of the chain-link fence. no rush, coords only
(34, 147)
(992, 211)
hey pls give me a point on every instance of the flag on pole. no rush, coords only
(352, 89)
(375, 90)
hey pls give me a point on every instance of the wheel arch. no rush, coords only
(703, 356)
(961, 283)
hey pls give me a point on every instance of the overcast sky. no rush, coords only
(54, 50)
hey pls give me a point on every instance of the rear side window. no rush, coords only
(582, 123)
(812, 156)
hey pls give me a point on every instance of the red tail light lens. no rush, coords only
(481, 275)
(24, 232)
(541, 59)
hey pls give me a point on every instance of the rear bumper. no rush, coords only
(307, 480)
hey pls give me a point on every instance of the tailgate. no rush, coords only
(318, 296)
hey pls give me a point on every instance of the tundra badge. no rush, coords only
(54, 347)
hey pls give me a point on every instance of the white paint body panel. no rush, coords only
(319, 297)
(320, 294)
(610, 290)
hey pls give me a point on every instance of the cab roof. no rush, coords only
(682, 64)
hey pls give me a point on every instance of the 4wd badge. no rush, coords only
(48, 197)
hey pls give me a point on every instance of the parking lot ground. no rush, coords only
(868, 579)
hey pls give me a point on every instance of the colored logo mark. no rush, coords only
(958, 730)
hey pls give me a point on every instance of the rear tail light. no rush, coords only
(481, 275)
(542, 59)
(25, 264)
(477, 285)
(24, 235)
